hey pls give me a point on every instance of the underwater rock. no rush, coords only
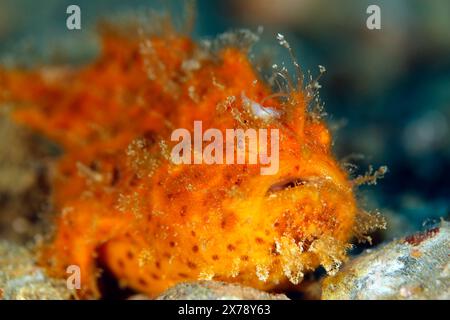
(215, 290)
(415, 267)
(24, 162)
(21, 279)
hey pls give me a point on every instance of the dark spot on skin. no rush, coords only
(115, 176)
(215, 257)
(193, 233)
(297, 168)
(172, 244)
(191, 265)
(94, 166)
(230, 247)
(259, 240)
(155, 276)
(130, 255)
(142, 282)
(276, 224)
(120, 263)
(273, 249)
(229, 220)
(134, 180)
(183, 275)
(244, 258)
(183, 211)
(167, 255)
(195, 248)
(158, 265)
(197, 175)
(417, 239)
(150, 137)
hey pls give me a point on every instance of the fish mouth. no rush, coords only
(319, 191)
(310, 200)
(323, 176)
(296, 182)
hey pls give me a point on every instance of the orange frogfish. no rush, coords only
(122, 203)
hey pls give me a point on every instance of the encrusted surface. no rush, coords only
(214, 290)
(21, 279)
(415, 267)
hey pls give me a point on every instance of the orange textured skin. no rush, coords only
(121, 202)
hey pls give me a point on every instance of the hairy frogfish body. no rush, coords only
(121, 202)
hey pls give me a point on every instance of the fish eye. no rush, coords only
(285, 184)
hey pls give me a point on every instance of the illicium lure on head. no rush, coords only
(124, 205)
